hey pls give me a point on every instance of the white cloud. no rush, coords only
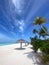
(21, 22)
(22, 25)
(18, 5)
(21, 29)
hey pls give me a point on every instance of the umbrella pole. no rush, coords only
(21, 45)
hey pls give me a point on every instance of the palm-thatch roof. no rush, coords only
(21, 41)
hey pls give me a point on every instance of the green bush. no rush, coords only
(45, 48)
(36, 44)
(42, 44)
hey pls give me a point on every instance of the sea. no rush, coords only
(7, 43)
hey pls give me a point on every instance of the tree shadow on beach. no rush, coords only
(35, 57)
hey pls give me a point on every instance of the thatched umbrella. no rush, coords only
(21, 41)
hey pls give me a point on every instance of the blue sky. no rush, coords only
(16, 17)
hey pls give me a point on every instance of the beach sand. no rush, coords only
(13, 55)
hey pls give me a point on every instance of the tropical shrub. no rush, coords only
(36, 44)
(45, 47)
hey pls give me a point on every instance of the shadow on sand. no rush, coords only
(19, 48)
(35, 57)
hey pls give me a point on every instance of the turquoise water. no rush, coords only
(4, 43)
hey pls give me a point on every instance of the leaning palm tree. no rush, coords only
(40, 21)
(43, 32)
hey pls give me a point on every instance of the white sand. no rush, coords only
(12, 55)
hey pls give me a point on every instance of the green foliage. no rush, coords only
(31, 40)
(36, 44)
(39, 21)
(42, 44)
(45, 47)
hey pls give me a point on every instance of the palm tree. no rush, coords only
(43, 32)
(40, 21)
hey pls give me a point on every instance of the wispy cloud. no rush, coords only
(21, 29)
(20, 24)
(4, 38)
(2, 27)
(18, 5)
(36, 7)
(17, 15)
